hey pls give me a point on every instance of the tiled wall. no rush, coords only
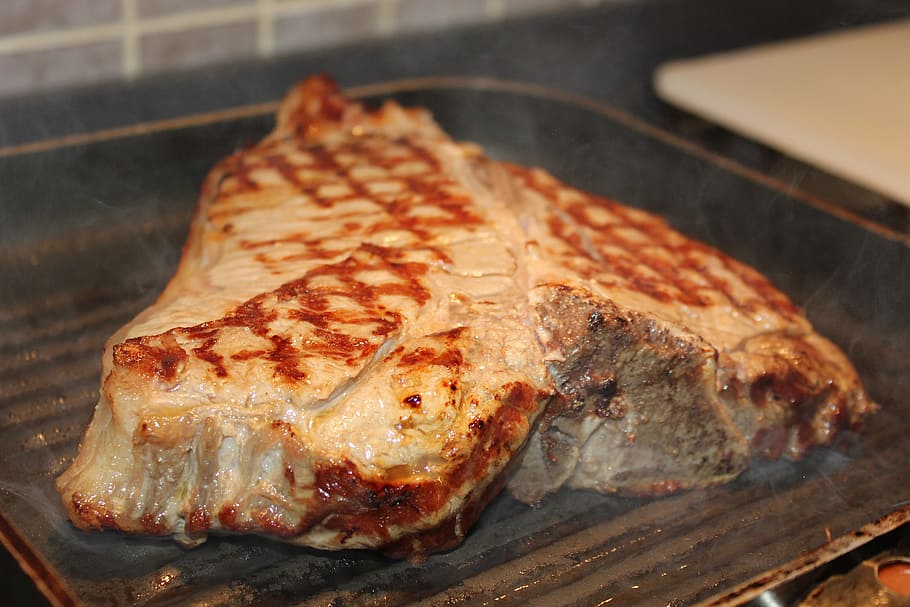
(46, 44)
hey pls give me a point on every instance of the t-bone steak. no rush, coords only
(373, 328)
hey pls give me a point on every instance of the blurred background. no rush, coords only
(45, 44)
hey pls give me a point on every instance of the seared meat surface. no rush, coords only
(372, 325)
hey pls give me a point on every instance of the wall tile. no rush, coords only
(196, 47)
(47, 69)
(426, 14)
(326, 25)
(157, 8)
(516, 7)
(22, 16)
(297, 25)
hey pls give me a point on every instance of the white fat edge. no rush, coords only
(186, 491)
(225, 481)
(479, 256)
(270, 478)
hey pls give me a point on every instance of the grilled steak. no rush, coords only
(370, 323)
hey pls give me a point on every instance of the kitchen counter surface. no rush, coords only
(607, 53)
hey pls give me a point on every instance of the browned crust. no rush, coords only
(347, 502)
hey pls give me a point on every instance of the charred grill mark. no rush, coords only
(319, 317)
(386, 325)
(446, 354)
(285, 169)
(247, 354)
(519, 396)
(384, 258)
(333, 341)
(201, 332)
(253, 315)
(325, 161)
(767, 293)
(163, 361)
(207, 353)
(561, 230)
(313, 249)
(422, 190)
(417, 152)
(342, 346)
(421, 357)
(286, 358)
(236, 178)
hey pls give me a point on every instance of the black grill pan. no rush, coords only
(91, 230)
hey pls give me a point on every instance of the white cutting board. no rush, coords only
(840, 101)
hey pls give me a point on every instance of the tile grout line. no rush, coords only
(195, 19)
(297, 7)
(493, 10)
(34, 41)
(267, 39)
(131, 59)
(130, 27)
(38, 41)
(265, 27)
(386, 23)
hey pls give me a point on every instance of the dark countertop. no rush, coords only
(607, 53)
